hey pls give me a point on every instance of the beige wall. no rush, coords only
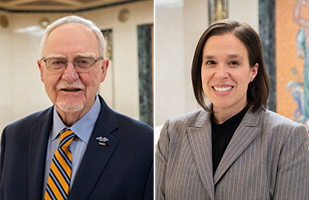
(178, 27)
(179, 24)
(22, 90)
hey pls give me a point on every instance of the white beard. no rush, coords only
(70, 107)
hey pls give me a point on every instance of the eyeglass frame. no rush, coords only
(74, 64)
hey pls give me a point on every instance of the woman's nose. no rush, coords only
(221, 72)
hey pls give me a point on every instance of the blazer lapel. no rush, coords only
(243, 136)
(96, 156)
(37, 154)
(200, 142)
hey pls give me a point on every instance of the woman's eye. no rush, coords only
(210, 62)
(234, 63)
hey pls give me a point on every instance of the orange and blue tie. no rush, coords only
(58, 184)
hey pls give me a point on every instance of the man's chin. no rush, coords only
(70, 107)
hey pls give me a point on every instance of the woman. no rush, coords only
(233, 148)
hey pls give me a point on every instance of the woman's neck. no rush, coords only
(223, 114)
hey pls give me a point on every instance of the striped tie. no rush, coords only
(59, 179)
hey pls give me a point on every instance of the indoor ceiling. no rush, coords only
(57, 5)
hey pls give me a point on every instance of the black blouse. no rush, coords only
(222, 135)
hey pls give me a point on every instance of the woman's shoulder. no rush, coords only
(188, 119)
(278, 125)
(275, 119)
(178, 125)
(175, 128)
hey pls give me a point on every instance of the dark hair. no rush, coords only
(258, 89)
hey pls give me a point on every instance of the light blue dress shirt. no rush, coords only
(82, 129)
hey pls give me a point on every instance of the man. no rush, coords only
(102, 154)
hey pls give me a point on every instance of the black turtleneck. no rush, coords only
(222, 135)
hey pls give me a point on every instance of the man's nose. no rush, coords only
(70, 74)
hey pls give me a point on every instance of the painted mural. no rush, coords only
(292, 58)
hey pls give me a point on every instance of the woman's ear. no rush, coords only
(254, 71)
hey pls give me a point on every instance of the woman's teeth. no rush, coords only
(222, 89)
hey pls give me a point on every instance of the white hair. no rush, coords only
(78, 20)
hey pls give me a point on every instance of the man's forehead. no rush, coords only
(71, 25)
(71, 29)
(62, 41)
(86, 54)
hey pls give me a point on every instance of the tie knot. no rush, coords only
(66, 137)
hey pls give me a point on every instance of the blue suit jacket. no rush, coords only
(122, 170)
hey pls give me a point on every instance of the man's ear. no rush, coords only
(104, 68)
(40, 65)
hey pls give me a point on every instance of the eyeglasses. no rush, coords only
(81, 64)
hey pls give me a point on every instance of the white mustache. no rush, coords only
(65, 85)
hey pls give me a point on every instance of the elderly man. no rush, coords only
(79, 148)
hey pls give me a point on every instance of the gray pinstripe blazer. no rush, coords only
(267, 158)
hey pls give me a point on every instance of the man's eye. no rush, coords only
(83, 61)
(58, 62)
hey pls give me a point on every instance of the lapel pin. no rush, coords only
(102, 141)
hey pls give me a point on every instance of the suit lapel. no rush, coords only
(201, 146)
(37, 154)
(243, 136)
(96, 156)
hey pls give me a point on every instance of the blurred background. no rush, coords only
(141, 34)
(128, 29)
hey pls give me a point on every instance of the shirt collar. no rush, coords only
(83, 127)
